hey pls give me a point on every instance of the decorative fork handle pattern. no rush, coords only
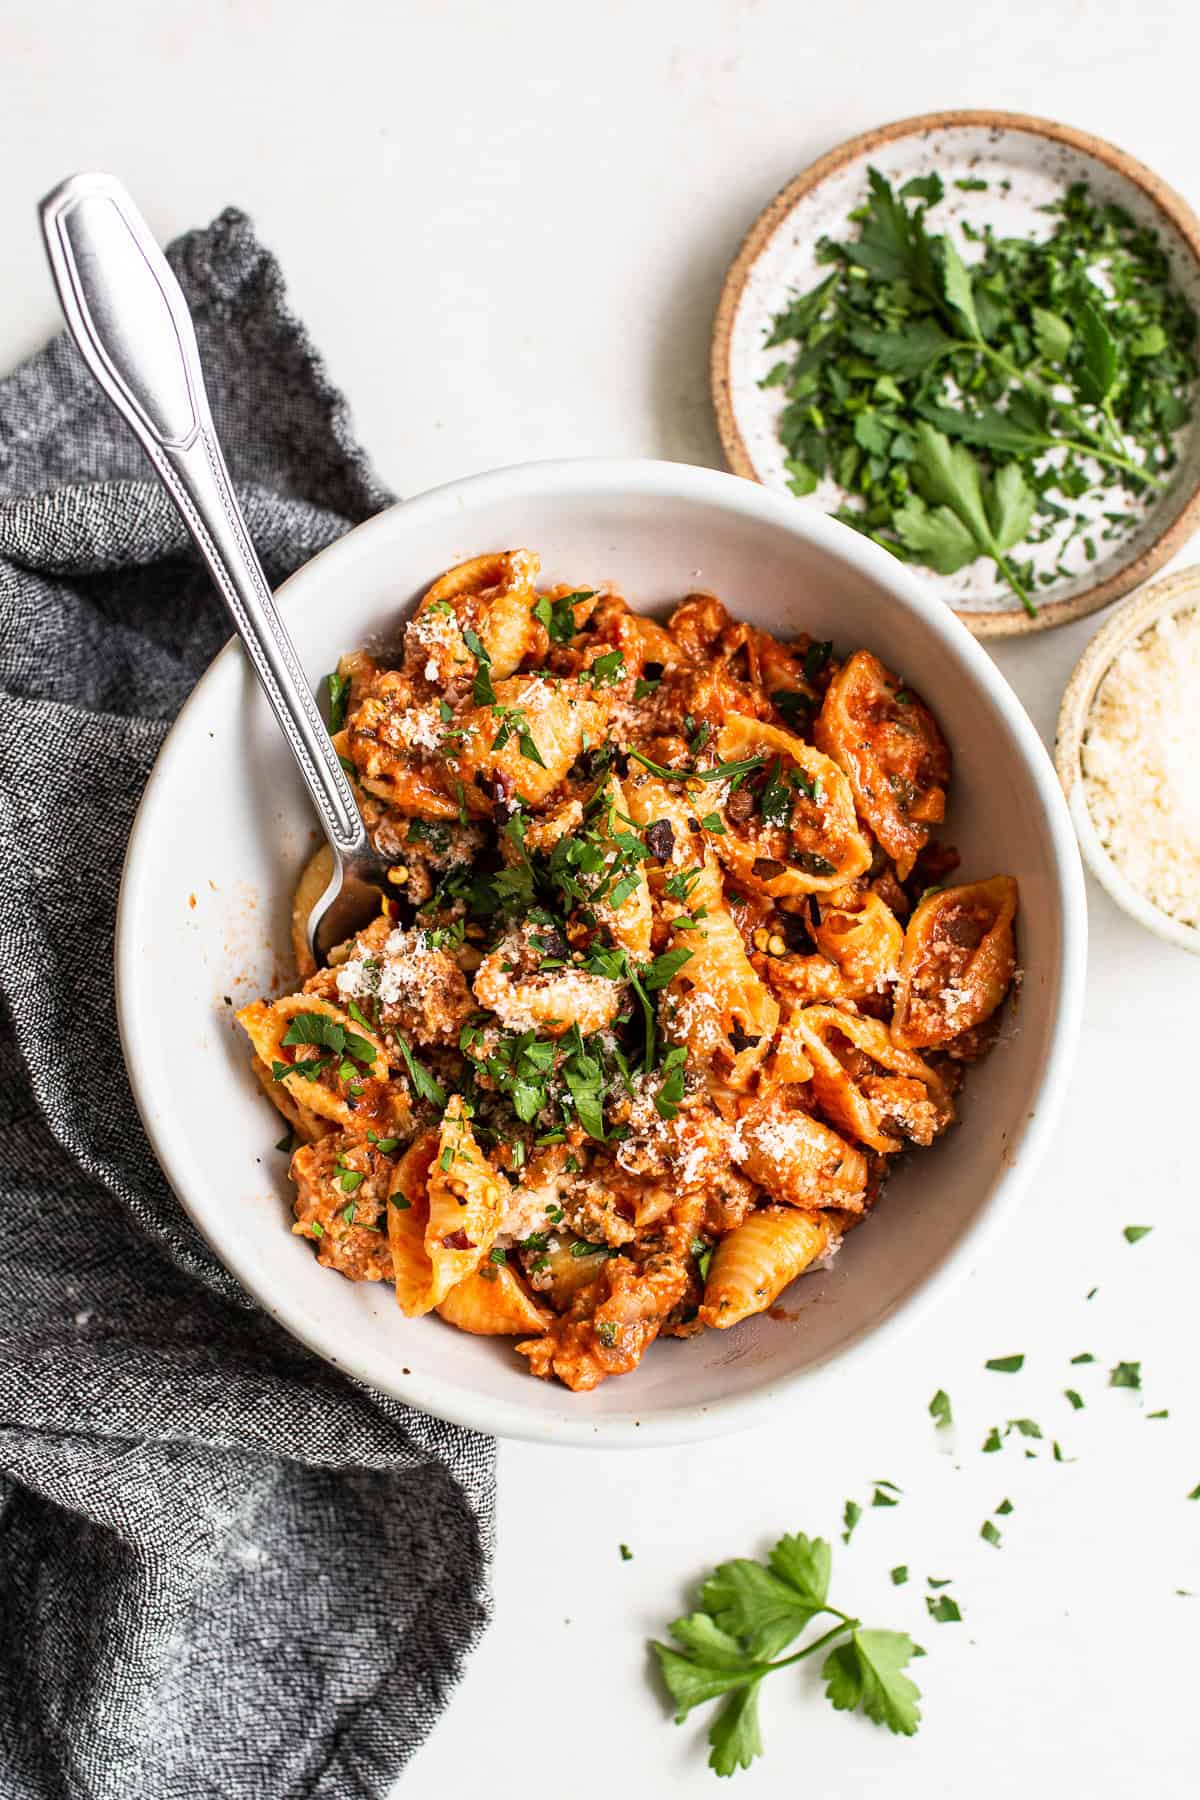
(126, 312)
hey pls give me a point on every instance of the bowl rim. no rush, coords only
(1170, 204)
(1175, 593)
(634, 477)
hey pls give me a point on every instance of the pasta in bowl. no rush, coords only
(225, 826)
(670, 970)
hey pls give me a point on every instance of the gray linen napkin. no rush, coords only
(224, 1569)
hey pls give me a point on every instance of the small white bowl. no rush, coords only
(1173, 594)
(224, 827)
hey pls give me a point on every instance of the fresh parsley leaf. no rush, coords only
(939, 1409)
(899, 1575)
(1134, 1233)
(1005, 1365)
(956, 284)
(1097, 374)
(851, 1514)
(991, 1534)
(868, 1671)
(937, 536)
(749, 1612)
(1126, 1375)
(1051, 334)
(766, 1608)
(943, 1609)
(734, 1735)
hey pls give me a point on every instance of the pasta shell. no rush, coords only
(326, 1095)
(796, 1158)
(864, 938)
(958, 962)
(868, 1085)
(492, 1303)
(752, 1266)
(466, 1203)
(818, 846)
(891, 749)
(407, 1218)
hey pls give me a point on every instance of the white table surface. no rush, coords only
(506, 227)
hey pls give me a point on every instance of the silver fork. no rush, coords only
(126, 312)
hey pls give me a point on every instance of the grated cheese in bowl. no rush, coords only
(1141, 765)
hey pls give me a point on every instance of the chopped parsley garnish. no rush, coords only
(943, 1609)
(348, 1179)
(663, 969)
(1005, 1365)
(670, 1093)
(425, 1085)
(338, 688)
(730, 771)
(939, 1409)
(558, 616)
(606, 669)
(1133, 1233)
(812, 864)
(1126, 1375)
(990, 1533)
(776, 799)
(751, 1611)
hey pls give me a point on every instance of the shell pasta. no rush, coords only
(668, 972)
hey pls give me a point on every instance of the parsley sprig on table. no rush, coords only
(749, 1612)
(965, 408)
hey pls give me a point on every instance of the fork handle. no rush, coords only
(126, 312)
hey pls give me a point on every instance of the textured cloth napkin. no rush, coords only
(224, 1569)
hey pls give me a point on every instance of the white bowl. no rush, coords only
(224, 826)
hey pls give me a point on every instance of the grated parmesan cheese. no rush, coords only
(1141, 765)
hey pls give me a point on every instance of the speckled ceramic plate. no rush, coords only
(1026, 162)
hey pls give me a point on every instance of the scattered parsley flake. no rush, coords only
(939, 1410)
